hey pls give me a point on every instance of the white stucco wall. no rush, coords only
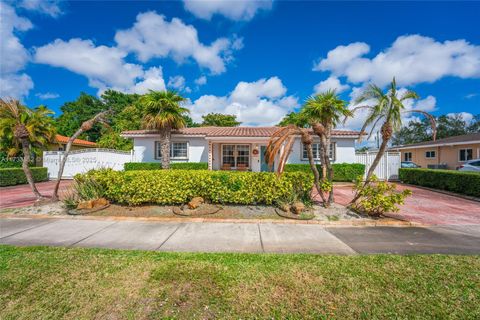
(345, 151)
(144, 149)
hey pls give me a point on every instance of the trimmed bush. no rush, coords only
(158, 166)
(10, 164)
(341, 171)
(14, 176)
(467, 183)
(170, 187)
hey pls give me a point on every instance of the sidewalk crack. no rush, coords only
(261, 240)
(100, 230)
(168, 238)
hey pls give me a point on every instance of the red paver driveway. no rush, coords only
(425, 206)
(22, 196)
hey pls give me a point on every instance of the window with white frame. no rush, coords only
(407, 156)
(236, 155)
(465, 154)
(316, 147)
(430, 154)
(178, 150)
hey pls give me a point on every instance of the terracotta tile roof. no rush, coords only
(472, 137)
(77, 142)
(231, 132)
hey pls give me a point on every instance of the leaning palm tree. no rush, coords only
(323, 112)
(280, 145)
(22, 128)
(386, 107)
(163, 112)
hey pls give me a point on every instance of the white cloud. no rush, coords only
(154, 37)
(200, 81)
(14, 56)
(331, 83)
(466, 116)
(471, 95)
(104, 66)
(262, 102)
(234, 10)
(48, 7)
(47, 95)
(411, 59)
(152, 79)
(178, 83)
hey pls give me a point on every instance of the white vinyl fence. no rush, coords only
(80, 161)
(388, 166)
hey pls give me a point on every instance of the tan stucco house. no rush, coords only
(61, 142)
(451, 152)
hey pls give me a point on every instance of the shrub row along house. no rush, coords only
(233, 148)
(448, 153)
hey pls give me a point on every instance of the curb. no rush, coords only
(387, 222)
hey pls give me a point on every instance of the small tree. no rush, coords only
(163, 113)
(22, 129)
(87, 125)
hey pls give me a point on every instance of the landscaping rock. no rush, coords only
(298, 207)
(85, 205)
(285, 207)
(102, 202)
(91, 204)
(195, 202)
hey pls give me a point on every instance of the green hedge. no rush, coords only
(341, 171)
(467, 183)
(14, 176)
(158, 166)
(179, 186)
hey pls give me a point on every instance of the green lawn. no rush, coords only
(40, 283)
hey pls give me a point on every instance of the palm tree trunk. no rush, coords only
(165, 148)
(87, 125)
(328, 164)
(26, 168)
(316, 174)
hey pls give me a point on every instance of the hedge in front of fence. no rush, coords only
(169, 187)
(158, 166)
(14, 176)
(467, 183)
(341, 171)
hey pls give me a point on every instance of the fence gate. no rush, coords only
(388, 166)
(81, 161)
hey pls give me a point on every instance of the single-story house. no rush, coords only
(61, 143)
(233, 148)
(447, 153)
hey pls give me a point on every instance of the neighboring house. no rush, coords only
(449, 152)
(61, 143)
(233, 148)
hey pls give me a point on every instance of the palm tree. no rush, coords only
(281, 144)
(164, 113)
(324, 111)
(387, 107)
(22, 129)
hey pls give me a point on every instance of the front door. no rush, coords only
(263, 164)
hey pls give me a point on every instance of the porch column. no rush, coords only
(210, 155)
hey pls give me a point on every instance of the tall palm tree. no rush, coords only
(163, 112)
(324, 111)
(22, 129)
(386, 107)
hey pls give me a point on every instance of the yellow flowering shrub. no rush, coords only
(168, 187)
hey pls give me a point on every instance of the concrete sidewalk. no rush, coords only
(238, 237)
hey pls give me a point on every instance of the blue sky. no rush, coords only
(257, 60)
